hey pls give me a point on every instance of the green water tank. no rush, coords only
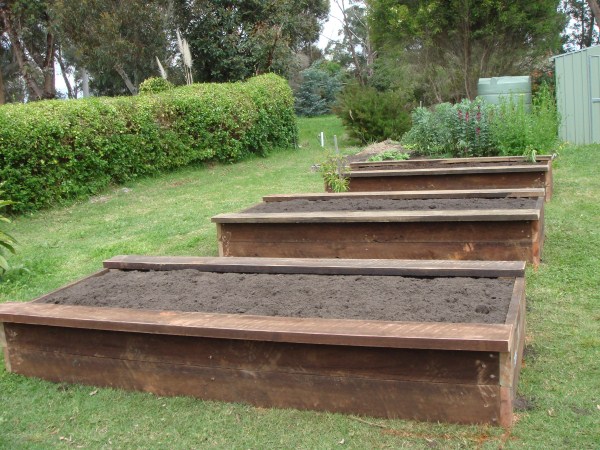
(492, 89)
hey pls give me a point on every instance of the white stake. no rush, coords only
(322, 135)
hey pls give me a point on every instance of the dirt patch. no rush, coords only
(376, 149)
(522, 403)
(453, 299)
(381, 204)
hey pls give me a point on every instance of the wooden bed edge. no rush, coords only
(426, 194)
(4, 347)
(347, 332)
(381, 216)
(450, 161)
(325, 266)
(447, 171)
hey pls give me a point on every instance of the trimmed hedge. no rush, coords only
(56, 150)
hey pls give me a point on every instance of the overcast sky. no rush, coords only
(332, 26)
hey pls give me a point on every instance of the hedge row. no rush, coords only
(56, 150)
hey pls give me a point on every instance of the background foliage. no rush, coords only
(319, 86)
(371, 115)
(474, 128)
(55, 150)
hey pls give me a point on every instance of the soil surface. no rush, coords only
(393, 298)
(382, 204)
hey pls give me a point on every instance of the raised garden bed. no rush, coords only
(479, 225)
(419, 369)
(455, 173)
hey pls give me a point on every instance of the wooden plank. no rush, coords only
(470, 160)
(451, 193)
(476, 251)
(381, 216)
(454, 162)
(456, 181)
(326, 266)
(385, 232)
(4, 346)
(462, 367)
(450, 171)
(505, 418)
(373, 397)
(516, 301)
(429, 335)
(448, 193)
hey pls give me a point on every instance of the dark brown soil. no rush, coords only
(454, 299)
(380, 204)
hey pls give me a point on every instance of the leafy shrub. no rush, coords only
(154, 85)
(373, 116)
(473, 128)
(55, 150)
(7, 242)
(318, 90)
(517, 130)
(453, 130)
(389, 155)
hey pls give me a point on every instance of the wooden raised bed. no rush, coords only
(507, 235)
(455, 173)
(453, 372)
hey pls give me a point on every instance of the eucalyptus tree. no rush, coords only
(29, 28)
(235, 39)
(455, 42)
(117, 42)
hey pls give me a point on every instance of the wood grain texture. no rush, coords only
(327, 266)
(4, 346)
(381, 216)
(456, 193)
(362, 333)
(527, 168)
(371, 396)
(476, 240)
(390, 181)
(462, 367)
(540, 160)
(476, 251)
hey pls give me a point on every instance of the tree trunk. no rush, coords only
(466, 50)
(85, 83)
(128, 83)
(63, 71)
(2, 96)
(595, 7)
(48, 69)
(27, 66)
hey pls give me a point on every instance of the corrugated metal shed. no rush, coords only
(578, 95)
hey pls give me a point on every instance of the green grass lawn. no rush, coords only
(170, 215)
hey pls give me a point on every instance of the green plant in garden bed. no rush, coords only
(518, 130)
(559, 379)
(335, 173)
(474, 128)
(388, 155)
(455, 130)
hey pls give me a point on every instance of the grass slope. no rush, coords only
(170, 215)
